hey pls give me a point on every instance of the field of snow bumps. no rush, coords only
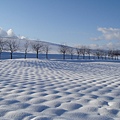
(57, 90)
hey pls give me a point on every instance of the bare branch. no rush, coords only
(78, 51)
(2, 43)
(46, 49)
(63, 49)
(37, 46)
(26, 46)
(88, 51)
(71, 51)
(83, 51)
(12, 45)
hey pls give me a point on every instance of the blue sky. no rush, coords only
(71, 22)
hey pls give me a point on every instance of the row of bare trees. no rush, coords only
(39, 47)
(73, 51)
(86, 51)
(13, 45)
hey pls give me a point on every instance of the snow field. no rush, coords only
(56, 90)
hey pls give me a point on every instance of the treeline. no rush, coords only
(86, 51)
(13, 44)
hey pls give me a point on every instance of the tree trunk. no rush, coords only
(89, 56)
(63, 56)
(0, 55)
(83, 56)
(25, 55)
(46, 55)
(37, 55)
(116, 57)
(71, 56)
(11, 55)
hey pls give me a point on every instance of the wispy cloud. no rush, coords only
(108, 34)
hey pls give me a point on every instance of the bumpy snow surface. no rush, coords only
(57, 90)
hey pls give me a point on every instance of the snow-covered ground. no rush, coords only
(34, 89)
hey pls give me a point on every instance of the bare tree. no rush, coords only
(71, 51)
(12, 45)
(98, 53)
(105, 54)
(111, 54)
(83, 51)
(88, 51)
(101, 53)
(116, 53)
(94, 54)
(38, 47)
(1, 46)
(63, 49)
(46, 49)
(26, 46)
(78, 50)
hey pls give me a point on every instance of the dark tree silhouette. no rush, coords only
(71, 51)
(37, 46)
(46, 49)
(111, 54)
(83, 51)
(12, 45)
(63, 49)
(98, 53)
(116, 54)
(88, 51)
(105, 53)
(2, 43)
(26, 46)
(101, 53)
(78, 51)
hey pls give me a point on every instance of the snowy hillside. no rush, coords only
(53, 47)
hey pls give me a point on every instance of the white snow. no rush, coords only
(34, 89)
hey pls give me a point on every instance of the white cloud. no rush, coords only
(108, 34)
(8, 33)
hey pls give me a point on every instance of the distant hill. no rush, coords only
(53, 47)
